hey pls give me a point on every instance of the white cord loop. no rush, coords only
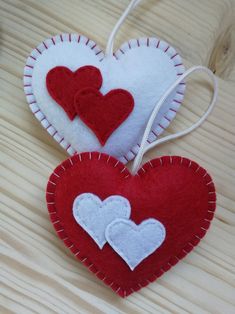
(109, 47)
(144, 147)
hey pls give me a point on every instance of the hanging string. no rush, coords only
(144, 147)
(109, 47)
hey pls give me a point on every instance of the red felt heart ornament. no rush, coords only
(103, 113)
(174, 190)
(62, 85)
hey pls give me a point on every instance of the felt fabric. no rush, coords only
(94, 215)
(103, 113)
(62, 85)
(173, 190)
(135, 242)
(144, 67)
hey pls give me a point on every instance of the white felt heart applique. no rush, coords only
(94, 215)
(135, 242)
(143, 67)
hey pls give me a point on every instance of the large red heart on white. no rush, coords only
(144, 67)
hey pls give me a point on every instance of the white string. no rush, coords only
(109, 47)
(144, 147)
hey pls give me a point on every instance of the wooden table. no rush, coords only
(38, 273)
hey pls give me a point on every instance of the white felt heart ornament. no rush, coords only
(144, 67)
(94, 215)
(135, 242)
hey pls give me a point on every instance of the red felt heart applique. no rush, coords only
(62, 85)
(103, 113)
(174, 190)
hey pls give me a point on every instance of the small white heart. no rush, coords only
(135, 242)
(94, 215)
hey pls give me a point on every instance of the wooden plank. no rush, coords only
(38, 273)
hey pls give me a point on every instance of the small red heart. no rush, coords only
(174, 190)
(103, 113)
(62, 85)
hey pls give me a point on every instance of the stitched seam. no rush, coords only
(150, 42)
(146, 253)
(83, 40)
(28, 87)
(107, 159)
(109, 200)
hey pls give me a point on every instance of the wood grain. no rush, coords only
(38, 274)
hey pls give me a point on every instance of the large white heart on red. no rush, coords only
(144, 67)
